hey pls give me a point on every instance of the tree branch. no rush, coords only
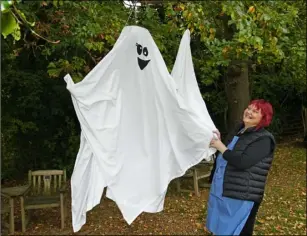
(93, 59)
(29, 27)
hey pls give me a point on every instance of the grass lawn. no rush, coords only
(282, 212)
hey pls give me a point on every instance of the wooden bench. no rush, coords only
(196, 173)
(48, 189)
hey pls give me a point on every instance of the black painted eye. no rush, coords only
(145, 52)
(139, 48)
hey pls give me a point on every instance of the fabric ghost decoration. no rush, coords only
(138, 131)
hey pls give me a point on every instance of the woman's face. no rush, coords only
(251, 116)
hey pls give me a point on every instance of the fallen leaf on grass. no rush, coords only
(199, 225)
(260, 221)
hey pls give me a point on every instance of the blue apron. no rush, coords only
(225, 216)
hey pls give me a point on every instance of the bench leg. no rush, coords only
(62, 211)
(12, 222)
(23, 215)
(195, 180)
(65, 207)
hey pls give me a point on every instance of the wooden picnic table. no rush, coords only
(11, 193)
(197, 174)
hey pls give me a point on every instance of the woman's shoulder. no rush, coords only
(266, 137)
(258, 135)
(265, 133)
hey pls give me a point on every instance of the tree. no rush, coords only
(240, 35)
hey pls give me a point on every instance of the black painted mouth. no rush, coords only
(142, 63)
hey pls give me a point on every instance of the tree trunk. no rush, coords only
(237, 92)
(304, 118)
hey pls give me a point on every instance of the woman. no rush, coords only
(240, 173)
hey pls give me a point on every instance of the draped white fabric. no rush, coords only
(141, 127)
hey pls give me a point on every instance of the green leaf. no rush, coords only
(185, 13)
(17, 34)
(241, 39)
(46, 52)
(88, 45)
(266, 17)
(300, 43)
(78, 63)
(232, 15)
(55, 3)
(10, 26)
(258, 40)
(149, 13)
(54, 72)
(51, 65)
(274, 40)
(5, 5)
(284, 30)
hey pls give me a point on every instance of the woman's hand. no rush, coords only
(217, 133)
(216, 143)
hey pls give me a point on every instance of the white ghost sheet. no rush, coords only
(138, 132)
(187, 87)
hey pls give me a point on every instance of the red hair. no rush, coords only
(266, 111)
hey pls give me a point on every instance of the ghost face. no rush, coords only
(140, 50)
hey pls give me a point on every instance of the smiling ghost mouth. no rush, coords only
(142, 63)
